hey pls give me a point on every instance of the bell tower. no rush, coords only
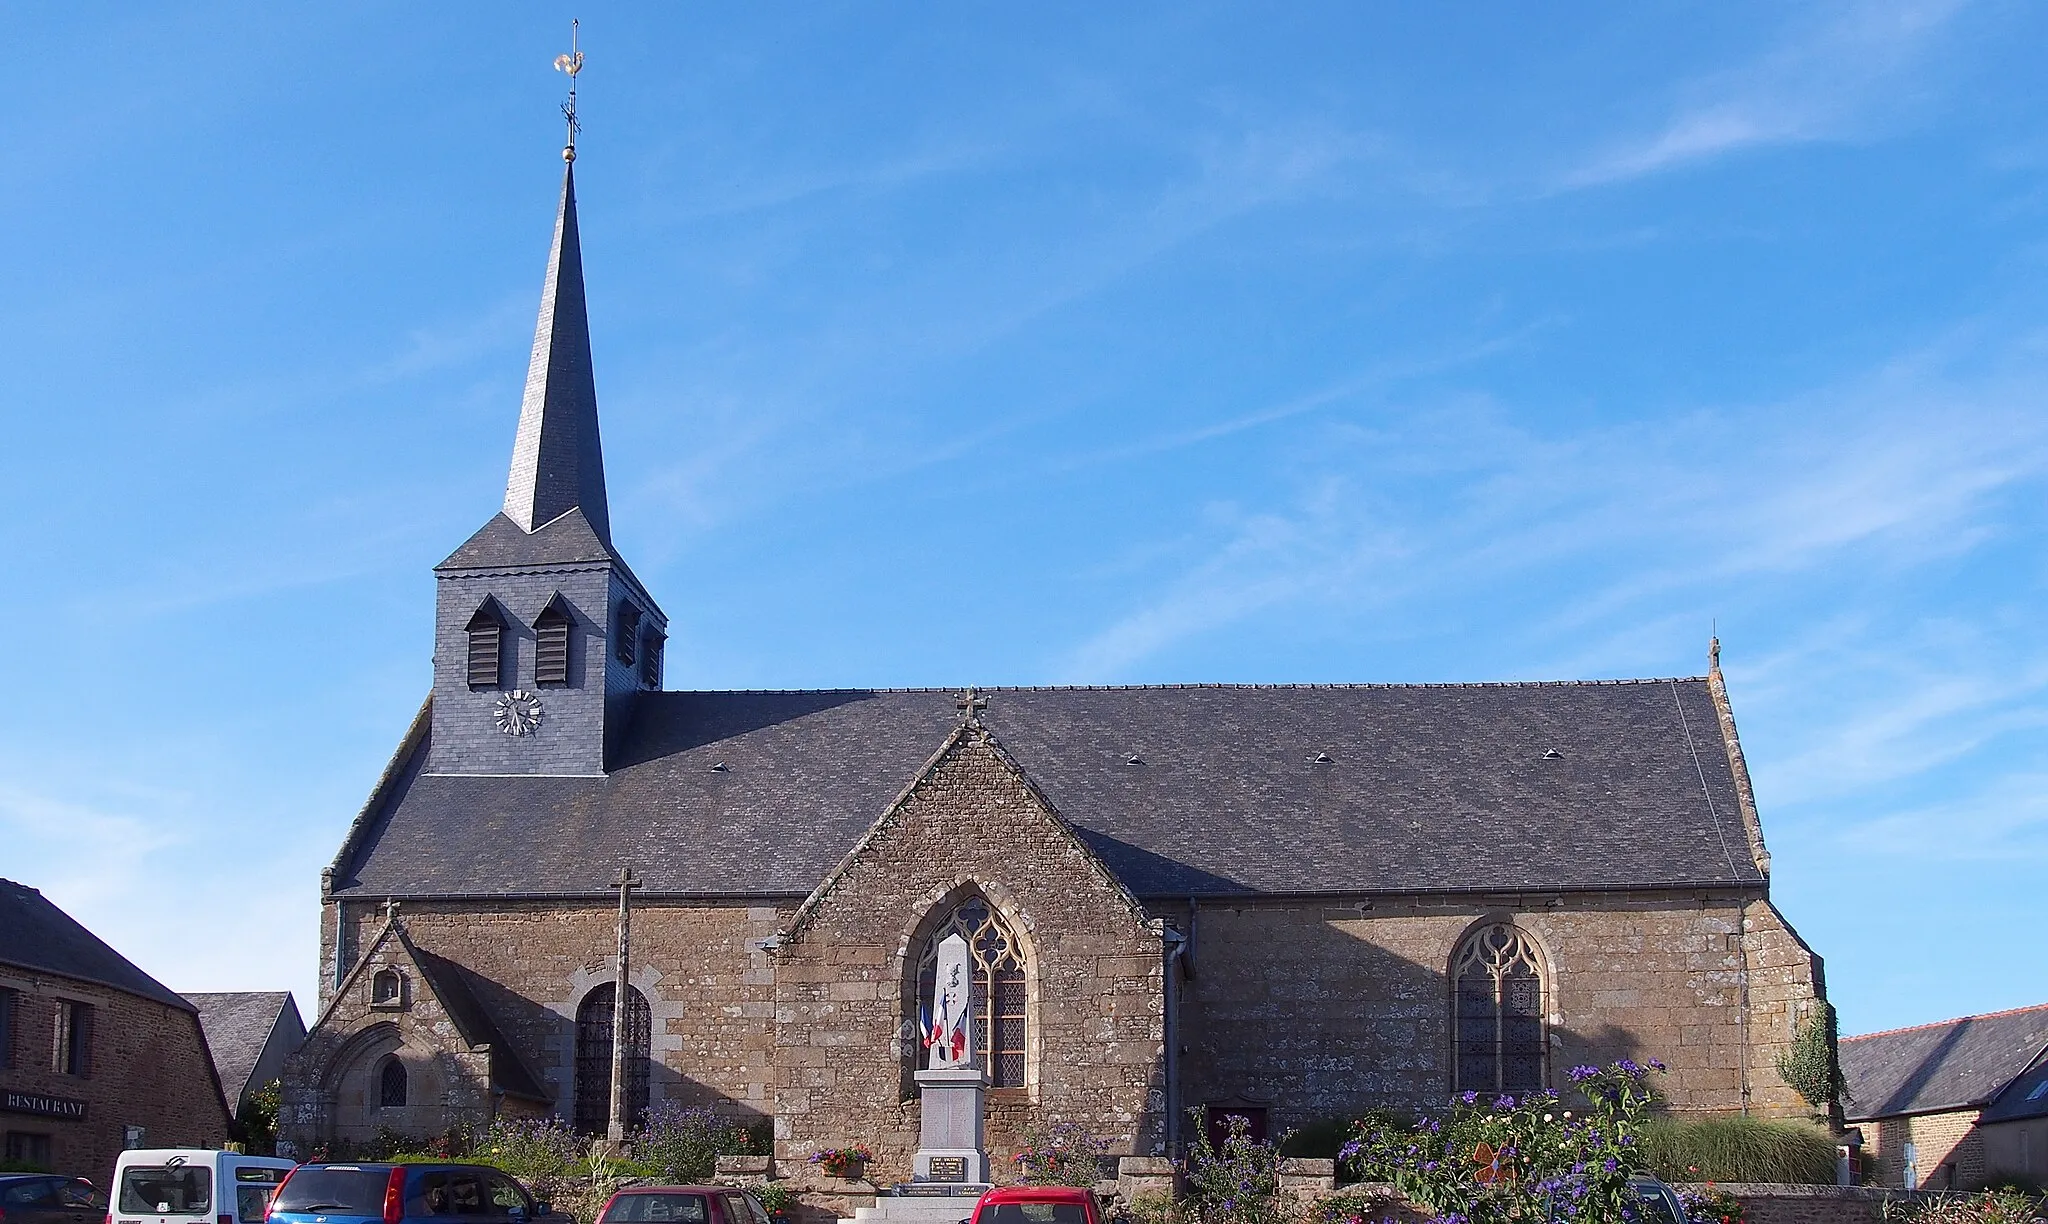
(543, 637)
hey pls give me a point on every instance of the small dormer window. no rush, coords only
(486, 647)
(628, 633)
(650, 658)
(551, 644)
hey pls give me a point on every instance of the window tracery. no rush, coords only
(1499, 1008)
(999, 990)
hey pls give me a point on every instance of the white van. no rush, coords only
(188, 1185)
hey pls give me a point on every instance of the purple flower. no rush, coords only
(1470, 1098)
(1610, 1164)
(1506, 1102)
(1655, 1065)
(1580, 1074)
(1629, 1065)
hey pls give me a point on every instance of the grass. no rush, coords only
(1739, 1149)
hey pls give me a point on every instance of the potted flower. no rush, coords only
(846, 1162)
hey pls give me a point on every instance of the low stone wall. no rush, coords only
(1779, 1203)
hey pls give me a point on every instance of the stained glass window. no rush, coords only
(1497, 1027)
(998, 976)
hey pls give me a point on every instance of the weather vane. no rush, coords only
(572, 63)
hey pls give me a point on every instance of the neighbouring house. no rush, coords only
(1959, 1105)
(95, 1054)
(1282, 901)
(251, 1033)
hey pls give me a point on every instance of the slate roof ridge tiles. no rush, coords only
(1953, 1020)
(1196, 685)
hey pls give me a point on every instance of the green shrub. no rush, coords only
(1739, 1149)
(1984, 1207)
(1324, 1138)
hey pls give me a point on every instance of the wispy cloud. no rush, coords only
(1829, 80)
(1886, 474)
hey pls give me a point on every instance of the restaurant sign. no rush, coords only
(42, 1106)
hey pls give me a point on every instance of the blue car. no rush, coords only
(404, 1194)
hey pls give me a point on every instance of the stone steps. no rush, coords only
(917, 1208)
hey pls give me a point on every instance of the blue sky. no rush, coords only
(958, 344)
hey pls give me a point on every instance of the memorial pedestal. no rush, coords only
(951, 1145)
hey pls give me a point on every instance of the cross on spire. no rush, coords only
(972, 705)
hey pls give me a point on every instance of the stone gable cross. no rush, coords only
(973, 704)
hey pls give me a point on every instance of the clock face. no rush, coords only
(517, 712)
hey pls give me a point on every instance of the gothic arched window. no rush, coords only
(1500, 997)
(391, 1083)
(486, 647)
(551, 644)
(594, 1059)
(998, 999)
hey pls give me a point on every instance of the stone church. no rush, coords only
(1287, 902)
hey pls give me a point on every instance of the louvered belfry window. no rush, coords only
(998, 995)
(1498, 1028)
(486, 648)
(551, 646)
(628, 633)
(650, 659)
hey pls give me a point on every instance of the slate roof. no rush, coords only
(2025, 1097)
(35, 934)
(1956, 1064)
(451, 985)
(238, 1025)
(1425, 788)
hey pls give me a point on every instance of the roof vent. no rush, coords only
(1320, 758)
(1134, 759)
(720, 767)
(1552, 754)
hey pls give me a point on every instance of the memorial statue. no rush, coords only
(951, 1087)
(948, 1028)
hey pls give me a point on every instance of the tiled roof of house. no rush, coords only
(1195, 790)
(35, 934)
(1956, 1064)
(238, 1025)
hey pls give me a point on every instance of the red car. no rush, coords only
(1037, 1205)
(682, 1205)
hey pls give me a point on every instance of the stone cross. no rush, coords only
(625, 883)
(951, 1039)
(390, 909)
(973, 705)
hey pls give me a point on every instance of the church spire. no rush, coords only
(557, 462)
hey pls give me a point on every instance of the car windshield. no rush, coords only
(348, 1191)
(1033, 1213)
(652, 1207)
(167, 1189)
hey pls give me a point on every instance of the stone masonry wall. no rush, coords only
(708, 985)
(845, 977)
(1948, 1150)
(331, 1084)
(1321, 1008)
(149, 1068)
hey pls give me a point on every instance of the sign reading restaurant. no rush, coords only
(43, 1106)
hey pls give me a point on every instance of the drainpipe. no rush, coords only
(1173, 944)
